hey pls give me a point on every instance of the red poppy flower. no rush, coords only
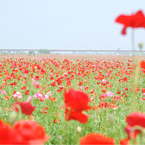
(27, 92)
(26, 107)
(26, 71)
(124, 142)
(7, 98)
(31, 131)
(137, 89)
(8, 109)
(143, 90)
(77, 100)
(37, 77)
(135, 21)
(76, 115)
(128, 131)
(56, 120)
(13, 84)
(134, 119)
(7, 135)
(96, 139)
(142, 64)
(103, 96)
(142, 98)
(53, 84)
(53, 99)
(126, 88)
(23, 88)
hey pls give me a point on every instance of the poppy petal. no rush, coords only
(75, 115)
(96, 139)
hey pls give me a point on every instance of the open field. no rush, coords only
(114, 85)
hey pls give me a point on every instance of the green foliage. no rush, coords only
(44, 51)
(31, 52)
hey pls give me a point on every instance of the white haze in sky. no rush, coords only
(67, 24)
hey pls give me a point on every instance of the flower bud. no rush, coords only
(60, 137)
(111, 119)
(13, 118)
(79, 129)
(140, 45)
(1, 111)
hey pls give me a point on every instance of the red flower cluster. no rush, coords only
(26, 107)
(75, 103)
(135, 21)
(23, 132)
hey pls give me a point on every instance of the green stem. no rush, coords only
(134, 128)
(133, 42)
(137, 127)
(136, 78)
(19, 110)
(136, 74)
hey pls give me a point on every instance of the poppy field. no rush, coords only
(72, 99)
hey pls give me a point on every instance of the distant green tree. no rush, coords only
(44, 51)
(31, 52)
(118, 49)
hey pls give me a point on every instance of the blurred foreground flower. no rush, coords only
(7, 135)
(26, 107)
(136, 124)
(124, 142)
(135, 21)
(23, 132)
(142, 64)
(96, 139)
(31, 131)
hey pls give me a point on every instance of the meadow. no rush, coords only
(115, 86)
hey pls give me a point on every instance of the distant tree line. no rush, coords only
(41, 51)
(44, 51)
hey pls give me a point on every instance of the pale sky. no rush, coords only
(67, 24)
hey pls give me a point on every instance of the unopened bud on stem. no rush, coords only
(140, 45)
(13, 118)
(79, 129)
(1, 111)
(111, 119)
